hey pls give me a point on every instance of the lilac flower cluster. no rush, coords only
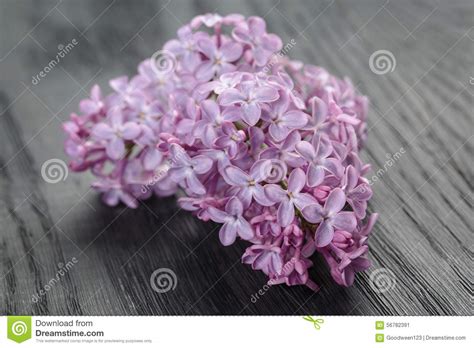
(264, 145)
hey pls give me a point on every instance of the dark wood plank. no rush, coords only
(424, 234)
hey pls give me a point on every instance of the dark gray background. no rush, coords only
(423, 236)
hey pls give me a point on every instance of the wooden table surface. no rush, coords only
(421, 109)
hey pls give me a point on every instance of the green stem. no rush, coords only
(240, 126)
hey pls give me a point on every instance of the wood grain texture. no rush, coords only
(424, 107)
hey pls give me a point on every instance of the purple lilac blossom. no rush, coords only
(262, 144)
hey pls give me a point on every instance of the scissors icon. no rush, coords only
(316, 322)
